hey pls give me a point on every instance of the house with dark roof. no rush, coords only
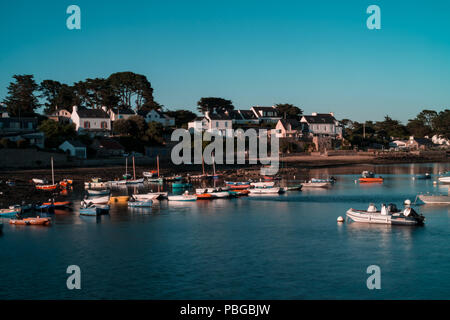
(157, 116)
(323, 124)
(266, 114)
(94, 121)
(75, 148)
(212, 122)
(243, 117)
(120, 113)
(419, 143)
(291, 128)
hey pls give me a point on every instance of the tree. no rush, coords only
(50, 90)
(441, 123)
(291, 111)
(138, 126)
(122, 127)
(56, 133)
(154, 133)
(418, 128)
(427, 117)
(214, 105)
(132, 90)
(21, 100)
(182, 117)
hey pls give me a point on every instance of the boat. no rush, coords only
(150, 174)
(39, 181)
(240, 192)
(205, 196)
(66, 183)
(181, 185)
(119, 199)
(31, 221)
(102, 208)
(311, 184)
(444, 179)
(272, 190)
(10, 212)
(435, 199)
(153, 176)
(156, 180)
(215, 192)
(134, 203)
(387, 215)
(238, 185)
(102, 192)
(422, 176)
(328, 180)
(99, 200)
(58, 204)
(88, 209)
(368, 176)
(48, 187)
(150, 196)
(184, 197)
(267, 184)
(174, 178)
(96, 183)
(297, 187)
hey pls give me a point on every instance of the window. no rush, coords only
(87, 124)
(217, 124)
(104, 125)
(226, 124)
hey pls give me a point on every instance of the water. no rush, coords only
(262, 247)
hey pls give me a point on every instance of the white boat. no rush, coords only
(388, 215)
(134, 181)
(273, 190)
(184, 197)
(435, 199)
(98, 200)
(98, 192)
(39, 181)
(263, 184)
(140, 204)
(96, 183)
(311, 184)
(215, 192)
(444, 179)
(150, 196)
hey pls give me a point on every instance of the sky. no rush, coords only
(318, 55)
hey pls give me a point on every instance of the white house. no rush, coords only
(212, 122)
(323, 124)
(91, 120)
(74, 148)
(266, 114)
(117, 113)
(157, 116)
(290, 128)
(60, 115)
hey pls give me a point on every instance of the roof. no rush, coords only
(234, 114)
(423, 141)
(257, 108)
(145, 112)
(75, 143)
(295, 124)
(218, 116)
(122, 111)
(248, 115)
(92, 113)
(320, 118)
(111, 144)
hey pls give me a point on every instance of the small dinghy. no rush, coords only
(273, 190)
(388, 215)
(31, 221)
(311, 184)
(150, 196)
(134, 203)
(102, 192)
(184, 197)
(368, 176)
(99, 200)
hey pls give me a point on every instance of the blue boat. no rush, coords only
(181, 185)
(91, 211)
(10, 213)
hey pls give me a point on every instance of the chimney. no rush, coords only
(74, 109)
(314, 113)
(104, 108)
(332, 114)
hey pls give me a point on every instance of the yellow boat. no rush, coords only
(119, 199)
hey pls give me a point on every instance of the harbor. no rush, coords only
(280, 243)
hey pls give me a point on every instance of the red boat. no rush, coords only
(31, 221)
(47, 187)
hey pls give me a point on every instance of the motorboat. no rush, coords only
(297, 187)
(150, 174)
(387, 215)
(134, 203)
(10, 212)
(215, 192)
(425, 176)
(311, 184)
(368, 176)
(184, 197)
(263, 184)
(435, 199)
(102, 192)
(328, 180)
(272, 190)
(96, 183)
(444, 179)
(150, 196)
(99, 200)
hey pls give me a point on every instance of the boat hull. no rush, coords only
(434, 199)
(377, 218)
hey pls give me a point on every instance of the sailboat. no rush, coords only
(49, 187)
(134, 180)
(157, 178)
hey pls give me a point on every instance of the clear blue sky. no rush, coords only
(318, 55)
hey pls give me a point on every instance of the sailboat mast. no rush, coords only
(203, 165)
(214, 165)
(53, 174)
(126, 165)
(134, 170)
(157, 163)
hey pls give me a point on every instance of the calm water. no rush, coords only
(263, 247)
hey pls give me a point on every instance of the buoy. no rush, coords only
(340, 219)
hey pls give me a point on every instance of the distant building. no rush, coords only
(266, 114)
(243, 117)
(212, 122)
(398, 144)
(95, 121)
(60, 115)
(419, 143)
(10, 125)
(74, 148)
(157, 116)
(117, 113)
(291, 128)
(440, 140)
(323, 124)
(107, 147)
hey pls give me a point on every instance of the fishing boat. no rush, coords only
(368, 176)
(387, 215)
(102, 192)
(10, 212)
(184, 197)
(311, 184)
(31, 221)
(99, 200)
(119, 199)
(444, 179)
(425, 176)
(263, 184)
(150, 196)
(271, 190)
